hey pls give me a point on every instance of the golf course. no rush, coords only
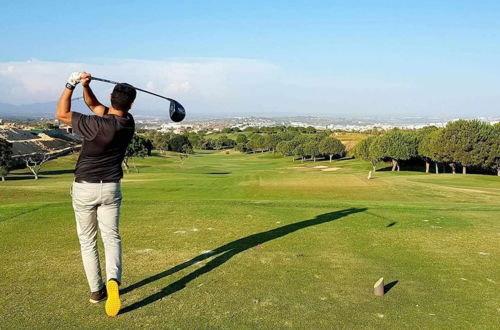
(225, 240)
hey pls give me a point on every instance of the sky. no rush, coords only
(264, 58)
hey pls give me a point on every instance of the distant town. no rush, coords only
(215, 125)
(341, 124)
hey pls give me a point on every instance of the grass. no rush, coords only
(293, 247)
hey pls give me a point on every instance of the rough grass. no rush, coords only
(293, 247)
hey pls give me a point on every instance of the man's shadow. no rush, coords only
(226, 252)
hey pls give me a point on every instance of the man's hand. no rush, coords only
(74, 78)
(89, 97)
(85, 79)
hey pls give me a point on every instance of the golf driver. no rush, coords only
(177, 112)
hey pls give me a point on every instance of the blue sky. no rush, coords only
(258, 57)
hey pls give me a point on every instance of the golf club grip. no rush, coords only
(104, 80)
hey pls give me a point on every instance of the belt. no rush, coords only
(78, 180)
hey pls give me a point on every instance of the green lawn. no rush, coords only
(292, 246)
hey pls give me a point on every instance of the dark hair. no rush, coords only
(123, 96)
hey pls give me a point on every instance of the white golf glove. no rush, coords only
(74, 79)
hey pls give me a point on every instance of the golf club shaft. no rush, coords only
(139, 89)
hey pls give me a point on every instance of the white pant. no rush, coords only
(98, 204)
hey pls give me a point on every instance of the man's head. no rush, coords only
(123, 96)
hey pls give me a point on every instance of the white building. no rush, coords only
(176, 128)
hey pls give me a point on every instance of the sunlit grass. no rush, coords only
(437, 235)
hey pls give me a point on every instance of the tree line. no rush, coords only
(461, 143)
(300, 142)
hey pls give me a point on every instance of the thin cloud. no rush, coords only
(235, 86)
(222, 84)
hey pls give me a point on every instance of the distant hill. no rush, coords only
(47, 110)
(6, 107)
(34, 110)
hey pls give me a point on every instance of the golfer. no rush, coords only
(96, 188)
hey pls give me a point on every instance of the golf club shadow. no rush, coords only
(23, 213)
(225, 252)
(57, 172)
(16, 176)
(22, 176)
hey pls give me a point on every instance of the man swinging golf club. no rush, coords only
(96, 189)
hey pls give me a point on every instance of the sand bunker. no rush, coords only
(320, 166)
(331, 169)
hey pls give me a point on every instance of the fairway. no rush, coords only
(257, 241)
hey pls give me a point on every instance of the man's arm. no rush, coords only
(90, 98)
(63, 112)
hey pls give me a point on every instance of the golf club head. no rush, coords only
(177, 112)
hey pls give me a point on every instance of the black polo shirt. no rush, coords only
(105, 140)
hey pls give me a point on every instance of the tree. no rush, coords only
(208, 144)
(424, 149)
(149, 146)
(493, 160)
(47, 126)
(287, 135)
(161, 140)
(311, 149)
(241, 138)
(376, 151)
(256, 143)
(369, 150)
(35, 162)
(223, 142)
(332, 147)
(5, 157)
(177, 141)
(219, 142)
(466, 141)
(261, 143)
(186, 150)
(440, 150)
(429, 149)
(298, 146)
(196, 140)
(399, 146)
(138, 147)
(242, 147)
(251, 145)
(286, 148)
(241, 142)
(270, 141)
(309, 130)
(299, 151)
